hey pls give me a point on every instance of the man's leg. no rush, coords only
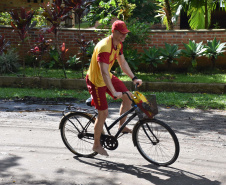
(99, 123)
(125, 106)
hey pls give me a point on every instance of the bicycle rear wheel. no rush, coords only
(156, 142)
(76, 137)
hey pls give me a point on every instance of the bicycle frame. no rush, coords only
(108, 128)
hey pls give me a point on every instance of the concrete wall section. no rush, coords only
(47, 83)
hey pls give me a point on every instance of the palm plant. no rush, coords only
(199, 12)
(214, 49)
(165, 12)
(152, 57)
(170, 53)
(194, 50)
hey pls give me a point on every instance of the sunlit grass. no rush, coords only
(183, 78)
(216, 77)
(168, 99)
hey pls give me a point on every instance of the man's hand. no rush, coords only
(117, 95)
(137, 81)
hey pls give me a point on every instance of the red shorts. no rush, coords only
(99, 93)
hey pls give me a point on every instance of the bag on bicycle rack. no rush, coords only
(147, 106)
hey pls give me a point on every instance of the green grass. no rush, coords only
(216, 77)
(168, 99)
(183, 78)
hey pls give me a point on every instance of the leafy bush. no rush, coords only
(9, 61)
(5, 18)
(138, 35)
(170, 53)
(193, 50)
(152, 57)
(214, 49)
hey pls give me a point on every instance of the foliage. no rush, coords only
(5, 18)
(3, 44)
(199, 12)
(214, 49)
(39, 18)
(194, 50)
(170, 53)
(38, 50)
(125, 9)
(55, 14)
(84, 46)
(166, 11)
(72, 61)
(9, 61)
(138, 35)
(58, 57)
(73, 3)
(83, 5)
(104, 10)
(132, 57)
(145, 11)
(152, 57)
(90, 48)
(22, 23)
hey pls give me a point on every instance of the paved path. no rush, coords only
(32, 152)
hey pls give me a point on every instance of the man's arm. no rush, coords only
(107, 79)
(126, 69)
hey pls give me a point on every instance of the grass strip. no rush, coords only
(168, 99)
(198, 77)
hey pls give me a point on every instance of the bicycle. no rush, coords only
(154, 139)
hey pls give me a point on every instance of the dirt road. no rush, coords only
(32, 152)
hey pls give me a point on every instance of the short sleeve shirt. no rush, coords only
(104, 52)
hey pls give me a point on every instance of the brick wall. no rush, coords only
(158, 38)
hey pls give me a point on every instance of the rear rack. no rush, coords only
(78, 109)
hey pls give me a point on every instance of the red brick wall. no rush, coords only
(158, 38)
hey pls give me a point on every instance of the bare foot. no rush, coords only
(100, 151)
(126, 130)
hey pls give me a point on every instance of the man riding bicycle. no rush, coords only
(100, 80)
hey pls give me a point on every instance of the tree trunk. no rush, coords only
(206, 14)
(168, 14)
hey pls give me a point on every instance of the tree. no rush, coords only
(199, 11)
(167, 9)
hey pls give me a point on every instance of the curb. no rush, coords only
(47, 83)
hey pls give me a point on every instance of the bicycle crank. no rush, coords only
(110, 142)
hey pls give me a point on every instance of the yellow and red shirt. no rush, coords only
(104, 52)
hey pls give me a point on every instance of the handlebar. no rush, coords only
(136, 87)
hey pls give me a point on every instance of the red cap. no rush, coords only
(120, 26)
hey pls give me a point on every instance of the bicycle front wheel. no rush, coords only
(77, 130)
(156, 142)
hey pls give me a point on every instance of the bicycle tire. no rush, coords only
(162, 150)
(71, 126)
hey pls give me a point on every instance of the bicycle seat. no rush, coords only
(90, 102)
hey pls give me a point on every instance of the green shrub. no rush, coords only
(9, 62)
(152, 57)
